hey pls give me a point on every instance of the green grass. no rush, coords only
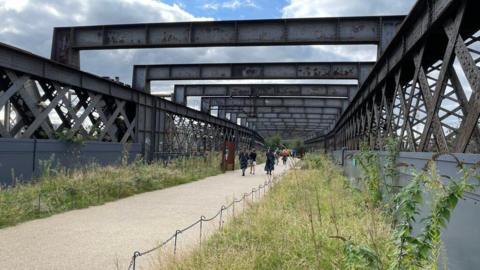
(310, 220)
(59, 190)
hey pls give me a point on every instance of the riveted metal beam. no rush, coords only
(68, 41)
(182, 92)
(144, 74)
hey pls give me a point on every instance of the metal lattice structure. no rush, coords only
(41, 99)
(424, 89)
(44, 109)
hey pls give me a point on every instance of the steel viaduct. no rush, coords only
(423, 90)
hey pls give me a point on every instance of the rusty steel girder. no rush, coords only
(41, 99)
(68, 41)
(424, 90)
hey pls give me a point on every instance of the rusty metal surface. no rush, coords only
(68, 41)
(41, 99)
(144, 74)
(424, 90)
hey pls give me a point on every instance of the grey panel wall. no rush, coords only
(20, 160)
(462, 236)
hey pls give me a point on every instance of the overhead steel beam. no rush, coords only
(144, 74)
(275, 102)
(311, 111)
(68, 41)
(317, 127)
(300, 130)
(287, 117)
(182, 92)
(288, 120)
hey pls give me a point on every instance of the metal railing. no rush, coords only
(254, 196)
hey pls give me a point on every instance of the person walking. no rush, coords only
(243, 157)
(285, 156)
(277, 156)
(270, 163)
(253, 161)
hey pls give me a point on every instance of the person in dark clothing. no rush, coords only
(270, 163)
(243, 157)
(253, 161)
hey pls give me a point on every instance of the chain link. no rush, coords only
(272, 180)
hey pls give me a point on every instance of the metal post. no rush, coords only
(39, 195)
(201, 227)
(221, 217)
(175, 242)
(134, 259)
(244, 200)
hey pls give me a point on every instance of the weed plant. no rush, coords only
(314, 219)
(308, 221)
(58, 190)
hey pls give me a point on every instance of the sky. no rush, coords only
(28, 24)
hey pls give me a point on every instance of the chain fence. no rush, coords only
(226, 211)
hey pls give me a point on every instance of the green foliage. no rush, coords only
(274, 141)
(314, 220)
(360, 257)
(75, 139)
(406, 209)
(421, 251)
(370, 164)
(58, 190)
(391, 171)
(308, 221)
(297, 144)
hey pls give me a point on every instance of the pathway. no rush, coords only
(104, 237)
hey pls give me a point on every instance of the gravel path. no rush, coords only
(104, 237)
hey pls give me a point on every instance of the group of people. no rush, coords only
(247, 159)
(272, 158)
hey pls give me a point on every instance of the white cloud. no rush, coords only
(332, 8)
(13, 5)
(29, 25)
(20, 27)
(233, 4)
(336, 8)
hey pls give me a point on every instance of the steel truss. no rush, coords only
(41, 99)
(424, 90)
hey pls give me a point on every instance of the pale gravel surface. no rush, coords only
(102, 237)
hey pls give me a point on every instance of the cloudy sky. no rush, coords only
(28, 24)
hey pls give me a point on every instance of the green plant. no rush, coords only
(422, 251)
(370, 164)
(58, 190)
(406, 209)
(390, 169)
(360, 256)
(273, 142)
(294, 227)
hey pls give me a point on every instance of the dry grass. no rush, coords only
(59, 190)
(311, 220)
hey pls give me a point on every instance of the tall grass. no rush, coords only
(59, 190)
(311, 220)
